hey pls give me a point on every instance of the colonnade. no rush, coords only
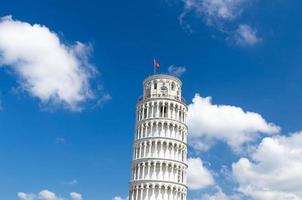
(161, 128)
(157, 192)
(159, 170)
(160, 148)
(162, 109)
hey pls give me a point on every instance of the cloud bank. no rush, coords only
(220, 195)
(208, 123)
(198, 176)
(47, 69)
(47, 195)
(274, 170)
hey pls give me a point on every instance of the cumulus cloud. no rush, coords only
(245, 35)
(274, 170)
(47, 69)
(198, 176)
(176, 70)
(43, 195)
(208, 122)
(217, 196)
(47, 195)
(76, 196)
(24, 196)
(119, 198)
(220, 195)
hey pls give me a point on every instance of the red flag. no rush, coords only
(156, 63)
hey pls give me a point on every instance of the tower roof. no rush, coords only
(162, 76)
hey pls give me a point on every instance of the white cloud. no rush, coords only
(24, 196)
(274, 171)
(222, 15)
(198, 175)
(216, 196)
(43, 195)
(48, 69)
(119, 198)
(176, 70)
(208, 122)
(214, 11)
(220, 195)
(76, 196)
(245, 36)
(47, 195)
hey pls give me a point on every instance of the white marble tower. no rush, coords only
(160, 144)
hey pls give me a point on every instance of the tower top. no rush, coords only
(162, 86)
(162, 76)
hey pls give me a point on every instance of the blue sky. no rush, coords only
(75, 134)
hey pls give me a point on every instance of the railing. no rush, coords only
(182, 99)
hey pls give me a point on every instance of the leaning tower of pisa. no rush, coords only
(160, 144)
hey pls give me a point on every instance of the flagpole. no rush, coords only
(154, 70)
(155, 65)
